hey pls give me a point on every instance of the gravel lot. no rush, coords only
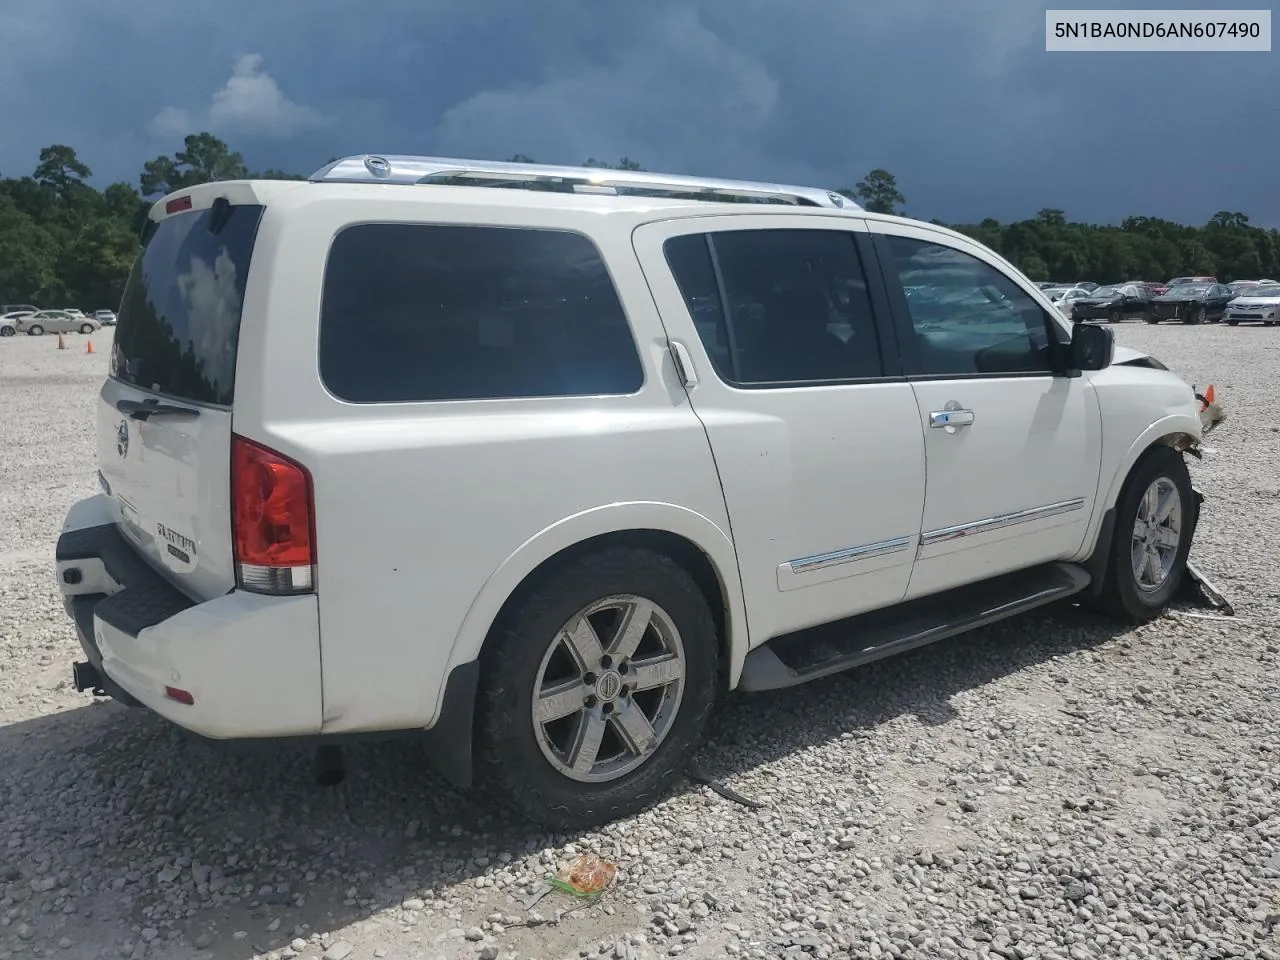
(1048, 788)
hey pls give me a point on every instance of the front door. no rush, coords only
(814, 431)
(1013, 448)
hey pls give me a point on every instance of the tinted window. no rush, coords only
(417, 312)
(179, 319)
(794, 306)
(968, 317)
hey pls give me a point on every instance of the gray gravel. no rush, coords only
(1048, 788)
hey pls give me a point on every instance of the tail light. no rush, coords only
(272, 521)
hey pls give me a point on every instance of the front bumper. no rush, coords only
(250, 663)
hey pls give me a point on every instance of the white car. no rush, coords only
(1260, 304)
(1063, 297)
(54, 321)
(544, 473)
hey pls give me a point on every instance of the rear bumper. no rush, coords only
(250, 663)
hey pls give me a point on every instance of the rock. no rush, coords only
(474, 934)
(489, 953)
(339, 951)
(25, 931)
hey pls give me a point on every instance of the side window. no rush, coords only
(419, 312)
(778, 306)
(968, 317)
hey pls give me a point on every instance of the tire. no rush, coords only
(527, 763)
(1232, 322)
(1113, 316)
(1123, 596)
(35, 330)
(1151, 320)
(1199, 316)
(6, 331)
(86, 328)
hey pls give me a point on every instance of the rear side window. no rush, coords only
(179, 320)
(421, 312)
(778, 307)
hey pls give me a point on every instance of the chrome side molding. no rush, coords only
(943, 534)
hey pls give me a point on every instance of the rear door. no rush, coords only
(164, 415)
(815, 433)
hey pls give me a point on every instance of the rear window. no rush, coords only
(422, 312)
(179, 319)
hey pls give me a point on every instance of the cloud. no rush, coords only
(961, 102)
(250, 102)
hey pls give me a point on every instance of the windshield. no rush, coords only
(1268, 291)
(1107, 292)
(179, 320)
(1189, 289)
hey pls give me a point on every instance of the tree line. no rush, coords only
(65, 243)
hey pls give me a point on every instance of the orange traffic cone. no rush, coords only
(62, 344)
(88, 347)
(1209, 394)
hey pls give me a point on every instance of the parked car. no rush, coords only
(8, 324)
(615, 517)
(1064, 297)
(1260, 304)
(105, 317)
(55, 321)
(1191, 303)
(1177, 280)
(1088, 285)
(9, 308)
(1112, 304)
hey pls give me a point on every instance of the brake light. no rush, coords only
(272, 520)
(178, 204)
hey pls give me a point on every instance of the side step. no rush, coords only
(830, 648)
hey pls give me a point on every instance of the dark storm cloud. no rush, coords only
(960, 101)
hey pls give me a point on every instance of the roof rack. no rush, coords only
(371, 168)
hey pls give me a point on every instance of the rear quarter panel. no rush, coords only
(427, 514)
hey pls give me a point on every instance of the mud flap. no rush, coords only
(1196, 587)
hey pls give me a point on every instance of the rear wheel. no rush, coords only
(86, 328)
(1113, 316)
(596, 688)
(6, 331)
(1155, 515)
(35, 330)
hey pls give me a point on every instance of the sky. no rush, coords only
(960, 101)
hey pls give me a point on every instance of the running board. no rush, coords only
(830, 648)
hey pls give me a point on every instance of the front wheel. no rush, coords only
(35, 330)
(1233, 321)
(6, 331)
(1154, 519)
(86, 328)
(596, 688)
(1151, 319)
(1113, 316)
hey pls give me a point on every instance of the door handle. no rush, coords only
(684, 364)
(952, 417)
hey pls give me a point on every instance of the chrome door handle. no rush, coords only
(950, 418)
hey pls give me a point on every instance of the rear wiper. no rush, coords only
(142, 409)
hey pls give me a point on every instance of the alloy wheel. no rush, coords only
(609, 688)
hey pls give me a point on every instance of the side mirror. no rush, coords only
(1092, 347)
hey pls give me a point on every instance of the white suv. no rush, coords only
(542, 461)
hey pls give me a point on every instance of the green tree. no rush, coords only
(203, 159)
(60, 169)
(878, 192)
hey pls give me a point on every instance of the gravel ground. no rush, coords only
(1047, 788)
